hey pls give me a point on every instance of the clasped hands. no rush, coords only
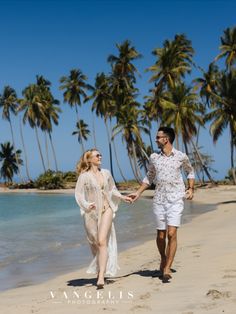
(131, 198)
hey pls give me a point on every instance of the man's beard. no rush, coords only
(161, 146)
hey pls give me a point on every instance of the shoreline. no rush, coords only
(205, 263)
(147, 193)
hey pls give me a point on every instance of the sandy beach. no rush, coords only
(204, 280)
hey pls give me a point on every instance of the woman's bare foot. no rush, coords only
(100, 282)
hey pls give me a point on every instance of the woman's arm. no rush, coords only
(80, 195)
(114, 191)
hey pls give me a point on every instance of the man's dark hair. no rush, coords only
(169, 132)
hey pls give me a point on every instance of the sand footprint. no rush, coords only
(216, 294)
(145, 296)
(109, 309)
(231, 273)
(140, 308)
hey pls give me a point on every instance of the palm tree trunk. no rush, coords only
(143, 156)
(117, 161)
(24, 148)
(94, 133)
(177, 140)
(46, 147)
(198, 133)
(133, 169)
(232, 154)
(186, 147)
(80, 130)
(110, 149)
(202, 163)
(53, 150)
(136, 163)
(39, 146)
(14, 148)
(151, 142)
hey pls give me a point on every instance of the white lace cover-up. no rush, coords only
(89, 191)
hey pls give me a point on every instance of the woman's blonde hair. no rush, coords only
(84, 164)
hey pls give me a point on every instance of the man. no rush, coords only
(165, 172)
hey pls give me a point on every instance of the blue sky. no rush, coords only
(52, 37)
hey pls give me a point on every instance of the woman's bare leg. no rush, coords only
(103, 233)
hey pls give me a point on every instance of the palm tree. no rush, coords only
(122, 79)
(197, 164)
(122, 64)
(123, 72)
(24, 149)
(33, 111)
(208, 83)
(75, 87)
(8, 101)
(82, 131)
(228, 47)
(174, 60)
(51, 112)
(104, 106)
(130, 126)
(180, 106)
(223, 114)
(183, 111)
(147, 116)
(10, 160)
(52, 116)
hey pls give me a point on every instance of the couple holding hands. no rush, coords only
(98, 199)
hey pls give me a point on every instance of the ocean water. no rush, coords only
(42, 235)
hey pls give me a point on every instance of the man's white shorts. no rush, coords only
(168, 214)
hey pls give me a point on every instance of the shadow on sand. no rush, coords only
(92, 281)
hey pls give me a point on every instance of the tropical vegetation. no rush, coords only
(175, 99)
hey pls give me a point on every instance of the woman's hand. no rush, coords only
(127, 199)
(92, 206)
(134, 196)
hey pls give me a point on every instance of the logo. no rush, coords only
(91, 297)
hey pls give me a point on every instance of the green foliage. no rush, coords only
(69, 176)
(50, 180)
(8, 160)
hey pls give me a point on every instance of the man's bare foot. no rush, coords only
(166, 274)
(162, 264)
(166, 278)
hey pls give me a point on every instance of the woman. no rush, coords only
(98, 199)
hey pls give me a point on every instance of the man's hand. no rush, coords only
(134, 196)
(189, 194)
(127, 199)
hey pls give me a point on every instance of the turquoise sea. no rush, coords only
(42, 235)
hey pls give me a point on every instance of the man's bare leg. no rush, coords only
(171, 248)
(161, 245)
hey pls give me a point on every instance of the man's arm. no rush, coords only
(190, 176)
(147, 181)
(190, 189)
(136, 195)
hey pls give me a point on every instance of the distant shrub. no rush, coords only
(70, 176)
(50, 180)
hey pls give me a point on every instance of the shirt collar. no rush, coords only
(171, 154)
